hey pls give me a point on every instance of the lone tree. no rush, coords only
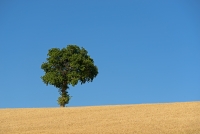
(68, 66)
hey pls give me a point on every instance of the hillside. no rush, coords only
(169, 118)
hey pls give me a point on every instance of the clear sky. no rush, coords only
(146, 51)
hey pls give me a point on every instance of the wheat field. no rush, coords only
(168, 118)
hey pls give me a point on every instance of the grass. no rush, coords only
(169, 118)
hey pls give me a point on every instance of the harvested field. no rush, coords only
(169, 118)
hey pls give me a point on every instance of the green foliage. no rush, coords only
(63, 100)
(68, 66)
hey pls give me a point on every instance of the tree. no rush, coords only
(68, 66)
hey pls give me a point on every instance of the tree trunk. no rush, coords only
(64, 97)
(62, 105)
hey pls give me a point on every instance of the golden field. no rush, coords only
(169, 118)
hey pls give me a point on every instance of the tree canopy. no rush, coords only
(68, 66)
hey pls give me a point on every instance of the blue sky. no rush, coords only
(146, 51)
